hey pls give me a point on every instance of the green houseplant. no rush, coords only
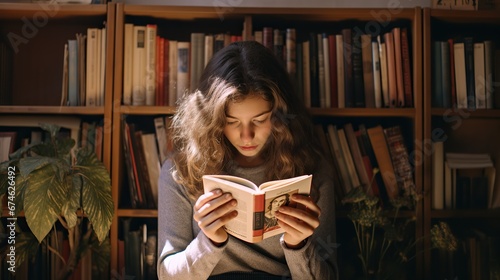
(59, 185)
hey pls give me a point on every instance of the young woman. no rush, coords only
(245, 120)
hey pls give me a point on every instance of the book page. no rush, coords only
(279, 195)
(241, 226)
(278, 183)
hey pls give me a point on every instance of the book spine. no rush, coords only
(150, 83)
(405, 53)
(258, 215)
(357, 72)
(348, 71)
(469, 72)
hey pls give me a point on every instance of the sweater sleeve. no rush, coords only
(317, 259)
(184, 255)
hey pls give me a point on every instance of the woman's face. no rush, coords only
(278, 202)
(248, 126)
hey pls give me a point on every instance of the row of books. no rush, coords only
(144, 153)
(463, 180)
(465, 73)
(157, 70)
(477, 257)
(84, 65)
(20, 131)
(349, 69)
(137, 251)
(357, 154)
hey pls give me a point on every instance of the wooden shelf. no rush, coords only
(466, 113)
(364, 112)
(466, 213)
(15, 11)
(476, 17)
(141, 213)
(302, 14)
(146, 110)
(77, 110)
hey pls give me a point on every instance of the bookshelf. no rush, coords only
(39, 61)
(37, 33)
(466, 130)
(209, 20)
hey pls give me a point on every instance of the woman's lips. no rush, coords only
(248, 148)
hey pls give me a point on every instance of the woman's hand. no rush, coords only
(299, 220)
(212, 211)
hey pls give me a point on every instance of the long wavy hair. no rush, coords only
(240, 70)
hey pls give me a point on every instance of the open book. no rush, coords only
(257, 204)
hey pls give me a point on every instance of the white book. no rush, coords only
(161, 138)
(307, 75)
(460, 80)
(152, 161)
(209, 49)
(150, 82)
(127, 63)
(339, 157)
(438, 175)
(257, 205)
(97, 62)
(480, 81)
(182, 68)
(91, 68)
(102, 66)
(383, 71)
(348, 158)
(340, 70)
(326, 61)
(172, 72)
(196, 59)
(377, 86)
(258, 36)
(488, 72)
(139, 69)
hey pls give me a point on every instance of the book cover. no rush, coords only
(460, 80)
(381, 150)
(128, 50)
(391, 69)
(257, 204)
(339, 43)
(368, 75)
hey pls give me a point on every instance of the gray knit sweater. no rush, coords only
(186, 253)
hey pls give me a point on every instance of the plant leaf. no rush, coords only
(73, 200)
(53, 129)
(96, 200)
(43, 200)
(29, 164)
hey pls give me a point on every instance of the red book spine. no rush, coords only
(258, 220)
(405, 51)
